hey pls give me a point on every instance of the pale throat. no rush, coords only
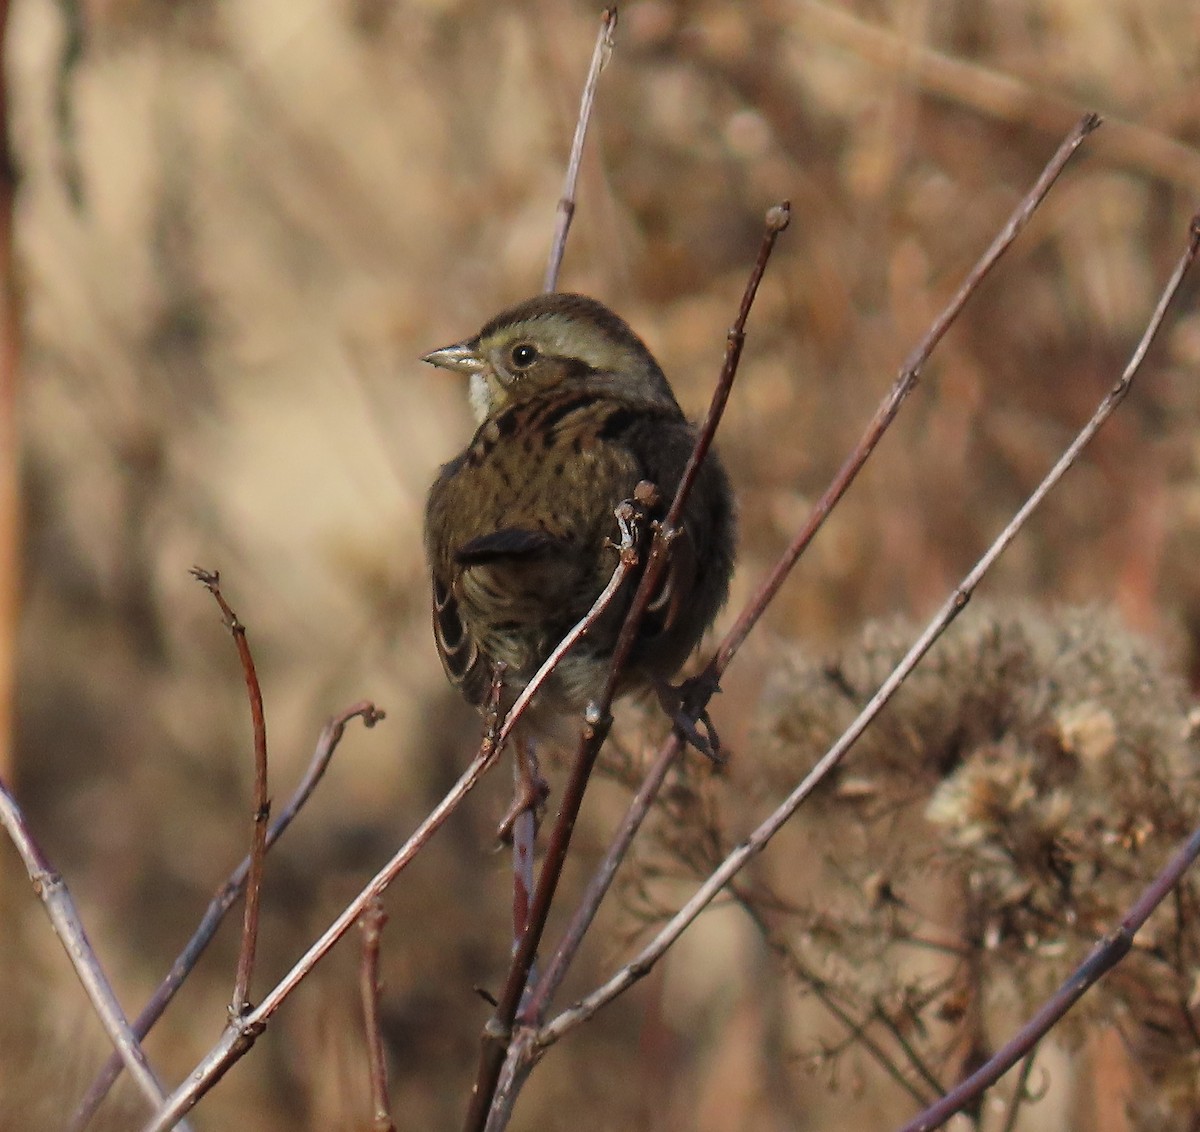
(481, 398)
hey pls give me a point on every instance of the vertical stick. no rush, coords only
(566, 203)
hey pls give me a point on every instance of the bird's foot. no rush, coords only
(530, 795)
(681, 703)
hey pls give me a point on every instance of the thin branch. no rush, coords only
(1020, 1093)
(524, 834)
(915, 1062)
(241, 1033)
(905, 382)
(566, 204)
(372, 925)
(1107, 953)
(225, 897)
(518, 1064)
(598, 718)
(856, 1030)
(991, 92)
(601, 881)
(52, 890)
(653, 951)
(211, 580)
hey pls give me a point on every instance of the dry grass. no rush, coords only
(239, 227)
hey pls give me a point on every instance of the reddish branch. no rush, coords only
(10, 448)
(226, 896)
(904, 384)
(598, 718)
(211, 580)
(243, 1030)
(372, 925)
(1111, 950)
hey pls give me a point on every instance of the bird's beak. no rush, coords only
(461, 358)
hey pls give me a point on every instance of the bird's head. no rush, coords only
(553, 340)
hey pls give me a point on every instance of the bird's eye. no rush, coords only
(524, 355)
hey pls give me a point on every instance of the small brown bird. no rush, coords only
(520, 527)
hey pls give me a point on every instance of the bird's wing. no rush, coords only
(508, 542)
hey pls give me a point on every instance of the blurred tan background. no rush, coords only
(239, 225)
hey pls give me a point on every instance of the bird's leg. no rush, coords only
(678, 701)
(531, 792)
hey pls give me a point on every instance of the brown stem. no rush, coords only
(954, 604)
(601, 881)
(598, 718)
(222, 901)
(566, 203)
(211, 580)
(525, 825)
(372, 925)
(1020, 1093)
(904, 384)
(242, 1031)
(1110, 950)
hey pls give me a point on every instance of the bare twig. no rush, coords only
(904, 384)
(1020, 1093)
(1109, 951)
(524, 835)
(566, 203)
(827, 996)
(754, 844)
(522, 819)
(222, 901)
(64, 917)
(372, 924)
(601, 881)
(211, 580)
(598, 718)
(242, 1032)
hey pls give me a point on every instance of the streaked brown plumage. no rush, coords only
(574, 412)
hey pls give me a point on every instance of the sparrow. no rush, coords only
(521, 530)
